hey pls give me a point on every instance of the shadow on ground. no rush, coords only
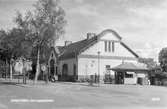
(7, 83)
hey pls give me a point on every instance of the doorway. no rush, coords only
(52, 67)
(119, 77)
(65, 70)
(140, 81)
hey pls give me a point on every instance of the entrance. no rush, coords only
(119, 77)
(52, 67)
(65, 70)
(140, 81)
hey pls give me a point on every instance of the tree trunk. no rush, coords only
(11, 70)
(6, 69)
(37, 67)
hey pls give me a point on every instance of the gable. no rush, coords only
(106, 38)
(120, 50)
(53, 54)
(109, 36)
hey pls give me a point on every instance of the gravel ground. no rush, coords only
(63, 95)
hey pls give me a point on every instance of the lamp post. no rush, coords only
(98, 68)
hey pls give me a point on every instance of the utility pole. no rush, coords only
(98, 68)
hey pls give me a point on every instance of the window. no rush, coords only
(128, 75)
(107, 69)
(108, 46)
(105, 46)
(113, 46)
(107, 66)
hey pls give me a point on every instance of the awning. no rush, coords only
(129, 67)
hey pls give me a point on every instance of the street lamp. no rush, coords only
(98, 68)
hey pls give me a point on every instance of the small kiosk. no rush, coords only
(129, 73)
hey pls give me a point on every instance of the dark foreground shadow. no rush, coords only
(7, 83)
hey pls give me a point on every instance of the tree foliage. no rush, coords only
(163, 59)
(42, 27)
(36, 31)
(49, 20)
(148, 61)
(15, 44)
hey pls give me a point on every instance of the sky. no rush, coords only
(141, 23)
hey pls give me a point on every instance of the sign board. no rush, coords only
(141, 75)
(43, 67)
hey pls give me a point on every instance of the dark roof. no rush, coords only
(61, 48)
(129, 67)
(73, 49)
(70, 51)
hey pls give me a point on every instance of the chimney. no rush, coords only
(90, 35)
(68, 43)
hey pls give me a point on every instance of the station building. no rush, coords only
(98, 54)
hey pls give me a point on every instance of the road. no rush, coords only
(82, 96)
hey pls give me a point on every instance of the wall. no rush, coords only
(131, 80)
(89, 66)
(100, 46)
(70, 63)
(88, 59)
(137, 75)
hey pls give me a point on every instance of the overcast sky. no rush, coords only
(141, 23)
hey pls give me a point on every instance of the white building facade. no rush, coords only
(94, 56)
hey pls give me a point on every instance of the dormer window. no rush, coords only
(109, 46)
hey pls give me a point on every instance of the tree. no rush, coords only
(2, 36)
(15, 46)
(148, 61)
(3, 58)
(48, 24)
(163, 59)
(43, 26)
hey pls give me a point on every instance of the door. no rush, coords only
(65, 70)
(119, 77)
(140, 81)
(52, 67)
